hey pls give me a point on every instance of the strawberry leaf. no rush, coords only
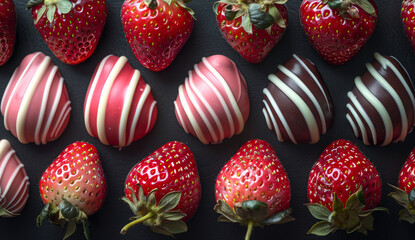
(246, 23)
(230, 14)
(259, 18)
(132, 206)
(334, 4)
(400, 196)
(68, 211)
(44, 214)
(322, 228)
(189, 10)
(223, 208)
(337, 204)
(151, 198)
(174, 227)
(216, 7)
(173, 215)
(366, 6)
(252, 210)
(64, 6)
(411, 196)
(168, 2)
(279, 218)
(86, 228)
(70, 229)
(318, 211)
(33, 3)
(222, 218)
(273, 11)
(169, 201)
(152, 4)
(5, 213)
(367, 222)
(405, 215)
(40, 13)
(50, 14)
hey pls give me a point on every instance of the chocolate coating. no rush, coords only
(297, 105)
(119, 107)
(35, 104)
(381, 107)
(213, 102)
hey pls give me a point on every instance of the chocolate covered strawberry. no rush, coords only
(156, 30)
(405, 193)
(73, 187)
(252, 27)
(338, 28)
(71, 28)
(408, 20)
(7, 30)
(253, 188)
(163, 190)
(344, 189)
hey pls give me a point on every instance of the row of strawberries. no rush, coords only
(156, 30)
(163, 190)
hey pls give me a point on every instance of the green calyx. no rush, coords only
(153, 4)
(158, 216)
(251, 213)
(405, 200)
(5, 213)
(351, 217)
(64, 214)
(49, 8)
(347, 10)
(261, 14)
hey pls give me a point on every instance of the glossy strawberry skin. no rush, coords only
(407, 174)
(341, 170)
(170, 168)
(73, 37)
(336, 38)
(7, 30)
(408, 20)
(77, 176)
(252, 47)
(156, 36)
(254, 173)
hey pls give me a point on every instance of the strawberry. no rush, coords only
(253, 188)
(338, 28)
(156, 30)
(252, 27)
(344, 188)
(7, 30)
(408, 20)
(73, 187)
(163, 190)
(405, 194)
(71, 28)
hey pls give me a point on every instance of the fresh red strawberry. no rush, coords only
(7, 30)
(408, 20)
(252, 27)
(163, 190)
(405, 194)
(73, 187)
(338, 28)
(71, 28)
(253, 188)
(156, 30)
(344, 188)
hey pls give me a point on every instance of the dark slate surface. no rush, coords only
(206, 40)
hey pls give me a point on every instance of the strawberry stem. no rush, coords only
(249, 232)
(137, 221)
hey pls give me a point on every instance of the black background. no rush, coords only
(206, 40)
